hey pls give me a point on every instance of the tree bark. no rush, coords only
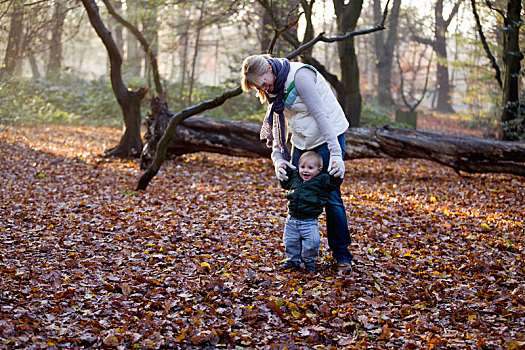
(444, 103)
(347, 16)
(149, 50)
(117, 29)
(34, 65)
(54, 64)
(483, 39)
(511, 60)
(200, 133)
(384, 50)
(195, 61)
(134, 53)
(14, 40)
(309, 29)
(150, 29)
(461, 153)
(130, 143)
(185, 34)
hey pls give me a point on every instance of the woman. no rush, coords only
(302, 103)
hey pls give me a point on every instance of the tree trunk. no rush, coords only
(34, 65)
(117, 29)
(54, 64)
(130, 143)
(199, 133)
(150, 29)
(134, 53)
(266, 32)
(440, 47)
(194, 61)
(183, 67)
(149, 50)
(385, 54)
(347, 16)
(511, 125)
(14, 41)
(309, 28)
(461, 153)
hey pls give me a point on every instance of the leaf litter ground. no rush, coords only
(194, 261)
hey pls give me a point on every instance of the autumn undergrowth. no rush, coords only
(66, 100)
(193, 262)
(70, 100)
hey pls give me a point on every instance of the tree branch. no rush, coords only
(152, 56)
(332, 39)
(499, 11)
(279, 32)
(453, 13)
(164, 142)
(491, 57)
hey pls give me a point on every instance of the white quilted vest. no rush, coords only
(303, 127)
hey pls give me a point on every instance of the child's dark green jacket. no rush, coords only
(307, 199)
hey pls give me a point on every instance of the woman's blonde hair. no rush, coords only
(253, 67)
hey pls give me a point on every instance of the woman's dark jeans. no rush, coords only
(336, 222)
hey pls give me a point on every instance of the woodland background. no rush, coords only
(87, 261)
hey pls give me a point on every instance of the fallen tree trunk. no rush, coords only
(203, 134)
(462, 153)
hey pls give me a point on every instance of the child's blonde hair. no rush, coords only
(253, 67)
(312, 155)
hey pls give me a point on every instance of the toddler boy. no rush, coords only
(307, 194)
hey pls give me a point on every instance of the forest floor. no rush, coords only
(86, 261)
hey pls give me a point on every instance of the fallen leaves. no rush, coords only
(85, 261)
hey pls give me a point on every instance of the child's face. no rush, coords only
(308, 169)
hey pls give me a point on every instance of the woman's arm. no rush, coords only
(305, 80)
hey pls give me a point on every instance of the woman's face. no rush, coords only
(267, 81)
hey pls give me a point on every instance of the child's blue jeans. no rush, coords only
(301, 240)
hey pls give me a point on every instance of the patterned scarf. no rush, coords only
(280, 68)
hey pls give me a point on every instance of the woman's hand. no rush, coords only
(280, 169)
(336, 168)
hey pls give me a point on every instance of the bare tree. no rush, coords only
(14, 42)
(116, 29)
(196, 50)
(493, 62)
(439, 44)
(384, 51)
(129, 100)
(410, 71)
(512, 119)
(512, 123)
(134, 54)
(348, 13)
(54, 64)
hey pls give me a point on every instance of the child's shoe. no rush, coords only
(311, 268)
(289, 265)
